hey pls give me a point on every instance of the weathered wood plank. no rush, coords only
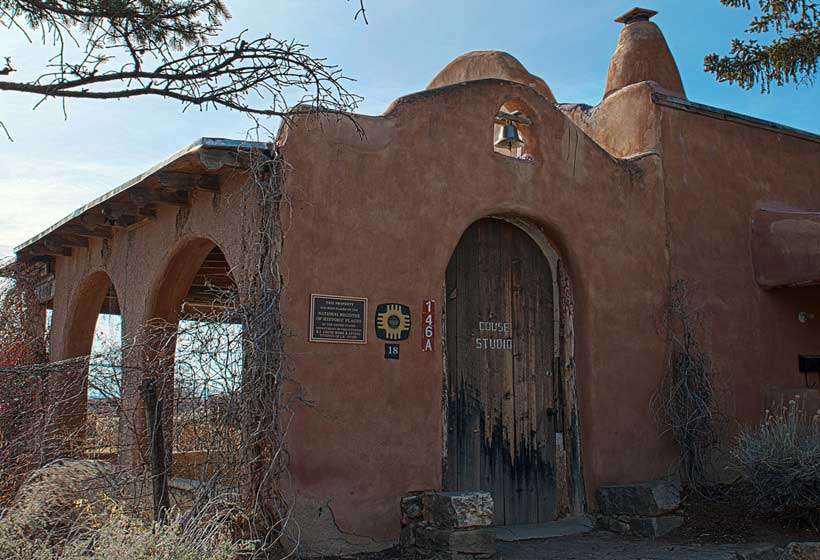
(500, 432)
(85, 231)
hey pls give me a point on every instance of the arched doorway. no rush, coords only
(501, 372)
(194, 358)
(95, 297)
(95, 330)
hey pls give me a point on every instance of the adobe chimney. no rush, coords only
(642, 55)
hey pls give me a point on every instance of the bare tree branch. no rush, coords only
(166, 48)
(361, 12)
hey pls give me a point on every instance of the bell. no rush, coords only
(509, 138)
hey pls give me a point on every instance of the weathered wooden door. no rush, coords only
(500, 329)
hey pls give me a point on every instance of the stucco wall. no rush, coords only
(624, 124)
(379, 217)
(715, 174)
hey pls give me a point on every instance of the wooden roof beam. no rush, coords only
(92, 220)
(64, 240)
(82, 230)
(41, 249)
(144, 197)
(217, 159)
(55, 245)
(173, 181)
(126, 214)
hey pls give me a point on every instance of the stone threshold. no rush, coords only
(562, 528)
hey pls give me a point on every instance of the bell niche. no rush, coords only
(510, 130)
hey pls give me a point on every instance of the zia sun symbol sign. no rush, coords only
(392, 321)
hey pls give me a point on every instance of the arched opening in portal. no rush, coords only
(95, 330)
(196, 353)
(208, 362)
(105, 376)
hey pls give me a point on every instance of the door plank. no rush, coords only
(500, 436)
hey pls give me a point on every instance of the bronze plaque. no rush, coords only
(338, 319)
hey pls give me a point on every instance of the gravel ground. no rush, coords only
(602, 545)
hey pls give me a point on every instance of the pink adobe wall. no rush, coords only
(716, 173)
(137, 261)
(379, 218)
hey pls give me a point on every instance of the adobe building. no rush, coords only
(474, 283)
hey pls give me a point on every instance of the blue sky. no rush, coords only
(56, 165)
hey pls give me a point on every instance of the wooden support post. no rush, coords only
(156, 449)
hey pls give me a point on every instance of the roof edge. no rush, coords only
(200, 143)
(666, 100)
(429, 93)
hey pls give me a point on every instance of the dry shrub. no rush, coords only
(102, 432)
(72, 510)
(64, 497)
(780, 461)
(39, 419)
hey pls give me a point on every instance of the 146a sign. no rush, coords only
(428, 322)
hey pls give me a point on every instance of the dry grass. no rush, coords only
(780, 460)
(46, 506)
(103, 432)
(72, 510)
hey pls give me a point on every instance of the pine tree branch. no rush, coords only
(792, 57)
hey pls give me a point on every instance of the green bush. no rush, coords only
(779, 460)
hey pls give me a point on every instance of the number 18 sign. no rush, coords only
(428, 312)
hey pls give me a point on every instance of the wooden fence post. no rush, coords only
(156, 449)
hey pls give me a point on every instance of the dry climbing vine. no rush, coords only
(687, 404)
